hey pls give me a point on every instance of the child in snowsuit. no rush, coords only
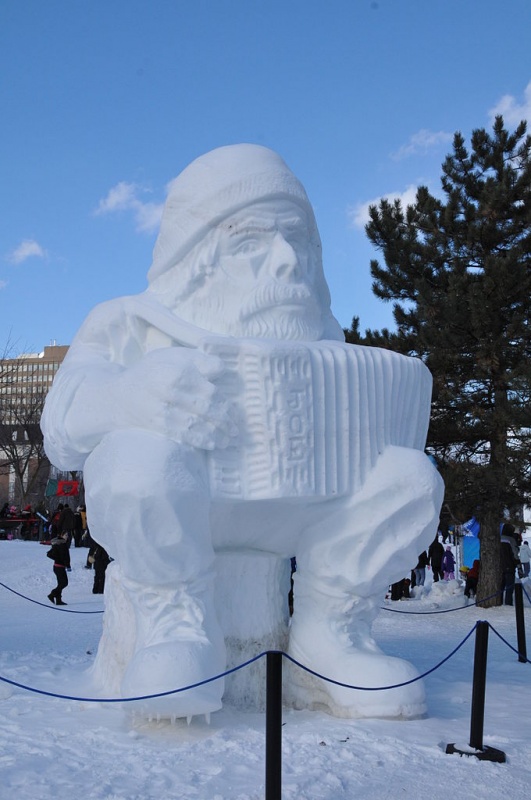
(448, 564)
(472, 577)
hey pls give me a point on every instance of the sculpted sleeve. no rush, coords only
(77, 411)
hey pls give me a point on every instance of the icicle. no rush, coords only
(173, 718)
(207, 718)
(189, 719)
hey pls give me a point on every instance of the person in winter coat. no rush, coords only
(444, 529)
(78, 527)
(400, 589)
(448, 564)
(89, 542)
(420, 569)
(101, 561)
(60, 555)
(472, 576)
(53, 523)
(435, 555)
(525, 558)
(509, 562)
(66, 523)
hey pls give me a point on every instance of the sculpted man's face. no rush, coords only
(257, 274)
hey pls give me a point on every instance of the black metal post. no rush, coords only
(273, 755)
(520, 624)
(479, 683)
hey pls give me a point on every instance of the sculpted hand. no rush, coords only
(172, 391)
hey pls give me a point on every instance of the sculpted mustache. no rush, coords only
(274, 294)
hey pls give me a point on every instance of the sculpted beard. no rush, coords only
(279, 311)
(293, 319)
(282, 324)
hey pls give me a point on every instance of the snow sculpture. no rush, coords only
(223, 426)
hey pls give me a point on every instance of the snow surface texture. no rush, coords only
(223, 426)
(52, 748)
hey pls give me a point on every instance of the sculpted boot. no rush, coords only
(330, 634)
(344, 569)
(178, 643)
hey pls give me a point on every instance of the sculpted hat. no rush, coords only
(214, 186)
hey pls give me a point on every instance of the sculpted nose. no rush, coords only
(285, 264)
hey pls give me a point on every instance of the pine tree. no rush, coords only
(459, 272)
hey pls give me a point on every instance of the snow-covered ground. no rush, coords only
(53, 748)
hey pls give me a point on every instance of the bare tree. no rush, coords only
(22, 454)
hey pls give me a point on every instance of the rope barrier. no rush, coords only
(443, 610)
(132, 699)
(46, 605)
(527, 661)
(383, 688)
(229, 672)
(260, 655)
(382, 608)
(425, 613)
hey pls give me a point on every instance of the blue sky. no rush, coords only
(103, 102)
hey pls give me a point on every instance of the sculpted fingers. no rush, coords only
(185, 403)
(206, 421)
(211, 367)
(205, 435)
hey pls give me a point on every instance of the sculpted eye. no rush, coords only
(297, 233)
(249, 246)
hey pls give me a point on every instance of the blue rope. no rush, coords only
(382, 688)
(229, 672)
(132, 699)
(45, 605)
(443, 610)
(382, 608)
(425, 613)
(527, 661)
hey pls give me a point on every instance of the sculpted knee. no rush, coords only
(140, 465)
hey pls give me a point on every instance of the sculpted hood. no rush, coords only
(214, 186)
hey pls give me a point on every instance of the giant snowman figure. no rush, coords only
(220, 419)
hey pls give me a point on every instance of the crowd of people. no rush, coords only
(17, 522)
(515, 558)
(59, 528)
(64, 526)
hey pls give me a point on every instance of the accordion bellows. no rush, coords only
(313, 417)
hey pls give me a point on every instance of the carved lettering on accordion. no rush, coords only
(313, 418)
(288, 388)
